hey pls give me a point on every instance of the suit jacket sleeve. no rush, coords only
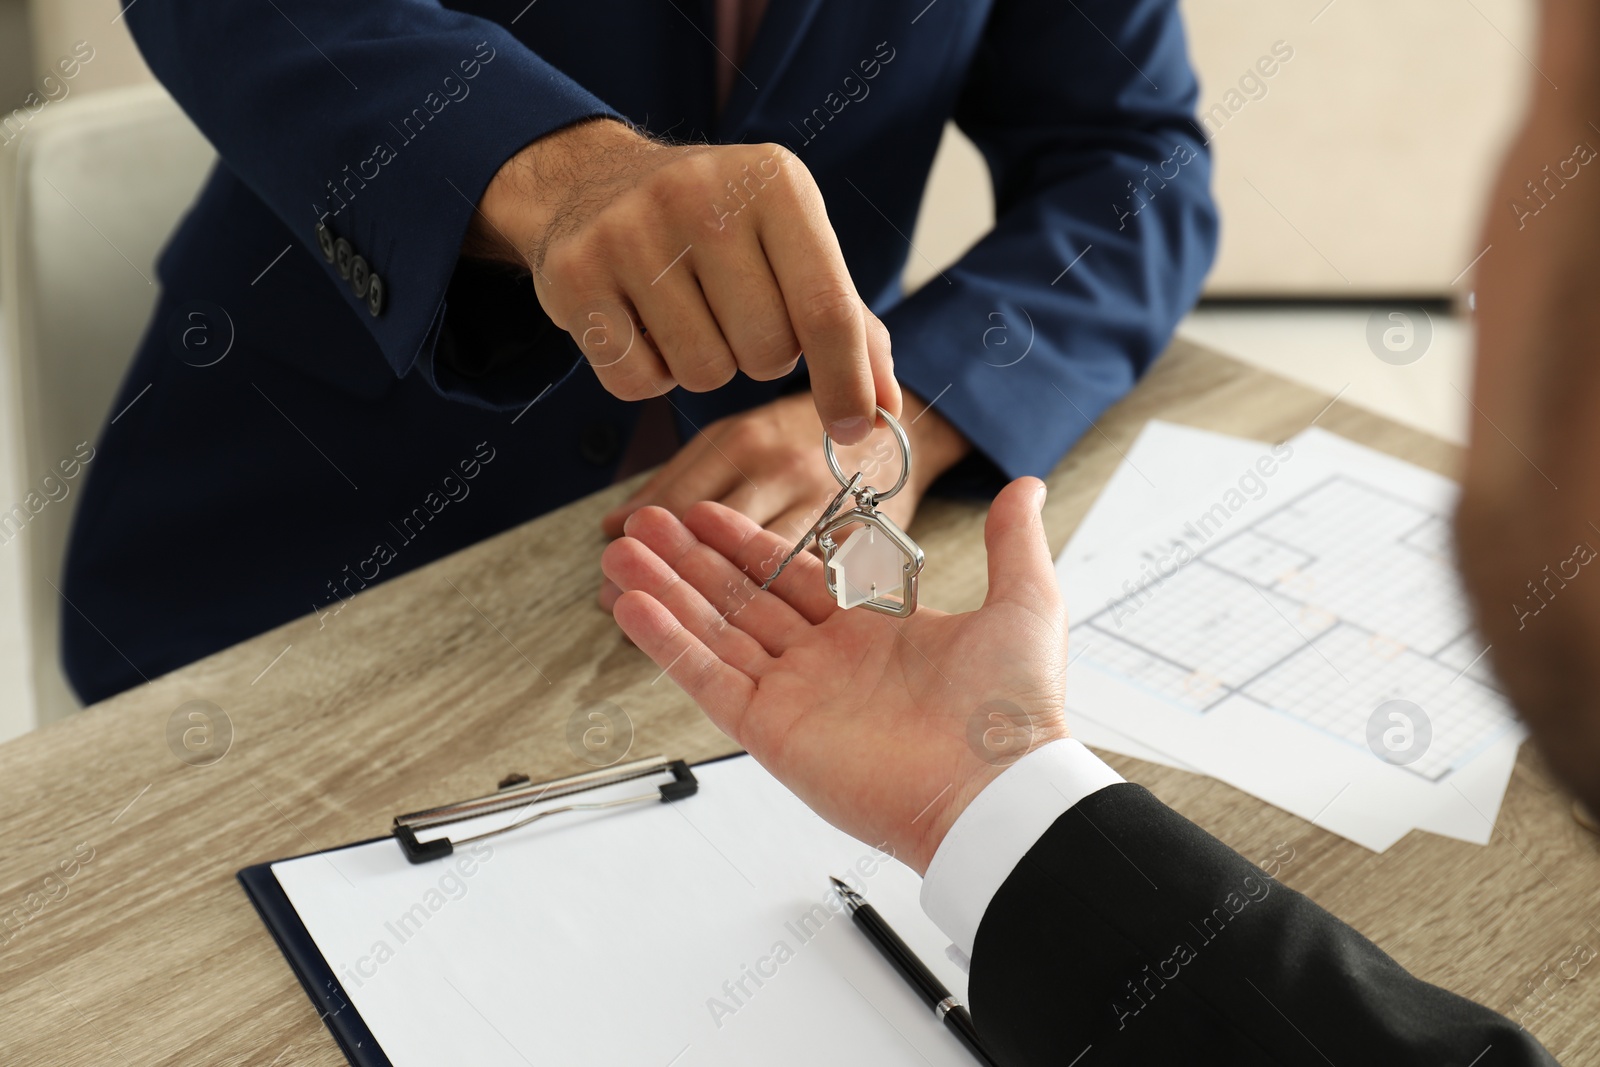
(385, 121)
(1072, 105)
(1130, 932)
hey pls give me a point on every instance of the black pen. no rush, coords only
(946, 1008)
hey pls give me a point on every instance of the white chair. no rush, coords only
(88, 196)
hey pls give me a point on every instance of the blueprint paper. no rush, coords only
(1256, 625)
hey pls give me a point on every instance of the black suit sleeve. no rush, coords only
(1129, 935)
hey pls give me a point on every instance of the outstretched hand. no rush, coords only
(887, 728)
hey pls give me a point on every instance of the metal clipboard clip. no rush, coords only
(523, 794)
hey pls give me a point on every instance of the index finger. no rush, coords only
(825, 311)
(721, 690)
(758, 552)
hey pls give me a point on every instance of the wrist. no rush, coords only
(936, 444)
(548, 181)
(949, 809)
(993, 747)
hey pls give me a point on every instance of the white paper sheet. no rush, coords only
(624, 938)
(1243, 611)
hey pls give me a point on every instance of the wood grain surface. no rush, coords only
(433, 686)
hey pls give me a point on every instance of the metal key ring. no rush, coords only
(905, 457)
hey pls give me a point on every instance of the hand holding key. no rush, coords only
(663, 278)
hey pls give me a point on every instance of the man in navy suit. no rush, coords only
(370, 346)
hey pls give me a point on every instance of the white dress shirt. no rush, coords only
(998, 828)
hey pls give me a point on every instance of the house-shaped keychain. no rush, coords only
(876, 568)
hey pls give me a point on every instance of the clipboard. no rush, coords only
(515, 792)
(349, 1030)
(871, 1006)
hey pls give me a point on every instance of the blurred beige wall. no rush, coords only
(1364, 168)
(1358, 169)
(60, 24)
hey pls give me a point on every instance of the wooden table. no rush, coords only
(433, 686)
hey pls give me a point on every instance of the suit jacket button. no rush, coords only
(342, 251)
(375, 296)
(360, 276)
(599, 443)
(325, 241)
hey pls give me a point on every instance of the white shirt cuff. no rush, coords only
(998, 828)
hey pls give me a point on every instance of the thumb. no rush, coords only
(1020, 568)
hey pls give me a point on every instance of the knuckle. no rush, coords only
(575, 269)
(562, 261)
(799, 467)
(794, 180)
(876, 330)
(683, 178)
(604, 334)
(611, 235)
(767, 370)
(630, 381)
(831, 310)
(786, 369)
(701, 162)
(768, 160)
(707, 372)
(746, 436)
(771, 354)
(659, 191)
(782, 161)
(620, 384)
(633, 389)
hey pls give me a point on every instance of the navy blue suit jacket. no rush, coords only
(295, 435)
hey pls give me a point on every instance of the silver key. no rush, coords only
(828, 513)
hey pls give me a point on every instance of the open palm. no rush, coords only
(886, 727)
